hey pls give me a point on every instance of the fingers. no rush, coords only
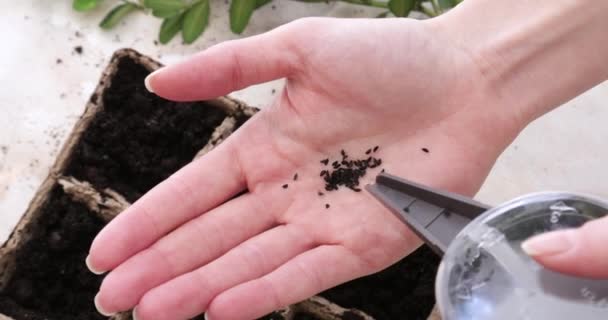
(227, 67)
(305, 275)
(195, 189)
(192, 245)
(189, 295)
(579, 251)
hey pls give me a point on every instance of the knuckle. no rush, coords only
(254, 258)
(276, 300)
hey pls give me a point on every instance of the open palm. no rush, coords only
(184, 249)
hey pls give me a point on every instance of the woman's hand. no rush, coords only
(182, 250)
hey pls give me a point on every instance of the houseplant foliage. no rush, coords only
(191, 17)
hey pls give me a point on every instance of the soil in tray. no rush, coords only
(402, 291)
(139, 139)
(51, 280)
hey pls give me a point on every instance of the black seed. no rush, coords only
(376, 148)
(382, 171)
(425, 150)
(327, 206)
(295, 177)
(406, 209)
(368, 151)
(320, 193)
(325, 161)
(285, 186)
(348, 172)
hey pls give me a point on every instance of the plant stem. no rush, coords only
(137, 4)
(428, 11)
(436, 7)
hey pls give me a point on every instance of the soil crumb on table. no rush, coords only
(51, 280)
(140, 139)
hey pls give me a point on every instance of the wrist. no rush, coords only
(531, 56)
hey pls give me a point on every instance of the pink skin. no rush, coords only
(182, 250)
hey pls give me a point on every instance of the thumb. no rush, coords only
(227, 67)
(580, 252)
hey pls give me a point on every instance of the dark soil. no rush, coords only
(51, 280)
(139, 139)
(303, 316)
(405, 290)
(402, 291)
(299, 316)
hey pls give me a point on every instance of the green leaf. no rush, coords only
(401, 8)
(116, 15)
(170, 28)
(165, 5)
(166, 13)
(259, 3)
(195, 21)
(240, 13)
(447, 4)
(84, 5)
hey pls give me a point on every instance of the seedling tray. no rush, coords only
(127, 141)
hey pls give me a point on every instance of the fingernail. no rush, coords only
(100, 309)
(88, 263)
(134, 314)
(207, 317)
(148, 79)
(547, 244)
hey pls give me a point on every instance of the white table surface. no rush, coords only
(41, 100)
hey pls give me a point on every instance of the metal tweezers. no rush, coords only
(435, 216)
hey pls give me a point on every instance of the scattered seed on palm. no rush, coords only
(425, 150)
(327, 206)
(295, 177)
(325, 161)
(347, 172)
(285, 186)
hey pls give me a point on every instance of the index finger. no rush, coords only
(193, 190)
